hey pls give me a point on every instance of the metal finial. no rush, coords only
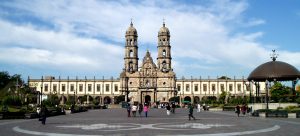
(274, 55)
(131, 22)
(163, 22)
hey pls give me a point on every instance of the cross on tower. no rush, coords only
(274, 55)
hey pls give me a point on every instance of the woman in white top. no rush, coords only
(198, 107)
(133, 109)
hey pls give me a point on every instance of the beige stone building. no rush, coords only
(148, 82)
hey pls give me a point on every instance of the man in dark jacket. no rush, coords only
(173, 107)
(128, 109)
(43, 115)
(191, 110)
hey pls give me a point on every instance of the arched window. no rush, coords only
(130, 53)
(164, 66)
(130, 66)
(164, 53)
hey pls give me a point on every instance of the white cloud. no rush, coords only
(84, 32)
(56, 50)
(255, 22)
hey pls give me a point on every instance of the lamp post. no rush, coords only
(251, 88)
(41, 94)
(179, 98)
(127, 89)
(74, 98)
(213, 96)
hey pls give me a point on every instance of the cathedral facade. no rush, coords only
(147, 82)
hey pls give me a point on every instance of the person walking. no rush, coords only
(43, 115)
(168, 107)
(191, 110)
(244, 109)
(140, 109)
(146, 109)
(133, 109)
(237, 110)
(198, 107)
(173, 108)
(128, 109)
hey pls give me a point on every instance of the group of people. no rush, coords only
(170, 108)
(137, 108)
(244, 109)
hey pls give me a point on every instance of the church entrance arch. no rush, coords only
(147, 99)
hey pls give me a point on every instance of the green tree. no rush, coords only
(280, 93)
(4, 79)
(52, 100)
(120, 98)
(174, 99)
(222, 97)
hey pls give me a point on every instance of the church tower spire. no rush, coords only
(164, 49)
(131, 49)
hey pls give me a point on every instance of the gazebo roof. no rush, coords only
(274, 70)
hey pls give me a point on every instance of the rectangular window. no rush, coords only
(98, 87)
(178, 87)
(187, 87)
(116, 88)
(230, 87)
(204, 87)
(54, 87)
(213, 87)
(80, 87)
(72, 87)
(63, 87)
(107, 87)
(239, 87)
(46, 87)
(248, 87)
(222, 87)
(196, 87)
(89, 87)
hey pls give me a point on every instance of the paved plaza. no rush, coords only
(116, 122)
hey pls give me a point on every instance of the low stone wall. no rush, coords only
(289, 115)
(113, 106)
(257, 106)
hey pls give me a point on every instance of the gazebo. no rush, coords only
(275, 71)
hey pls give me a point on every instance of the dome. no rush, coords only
(274, 70)
(131, 30)
(164, 30)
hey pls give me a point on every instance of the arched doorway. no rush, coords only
(147, 99)
(80, 99)
(196, 99)
(97, 100)
(63, 99)
(187, 99)
(90, 99)
(107, 100)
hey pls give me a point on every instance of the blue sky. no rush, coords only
(86, 38)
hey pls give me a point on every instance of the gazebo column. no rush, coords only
(267, 94)
(293, 89)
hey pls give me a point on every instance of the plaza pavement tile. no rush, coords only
(115, 122)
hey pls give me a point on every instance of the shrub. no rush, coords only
(12, 101)
(298, 100)
(279, 108)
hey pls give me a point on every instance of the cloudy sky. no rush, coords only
(86, 38)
